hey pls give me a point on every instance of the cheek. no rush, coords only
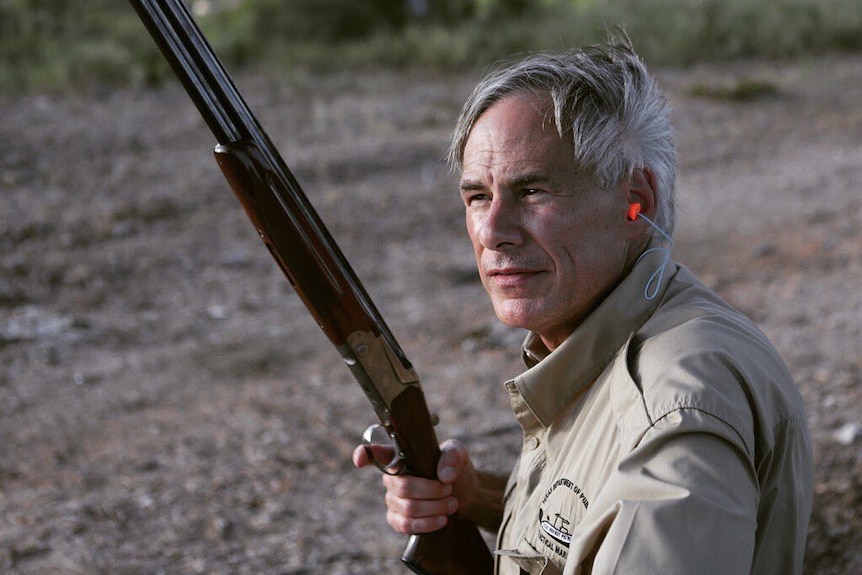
(593, 265)
(582, 253)
(472, 227)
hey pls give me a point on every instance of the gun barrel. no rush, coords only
(198, 68)
(314, 265)
(231, 121)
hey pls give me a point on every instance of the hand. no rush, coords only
(416, 505)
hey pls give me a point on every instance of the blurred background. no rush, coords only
(166, 403)
(55, 43)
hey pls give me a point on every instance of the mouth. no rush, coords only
(510, 276)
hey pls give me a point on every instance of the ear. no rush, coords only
(642, 190)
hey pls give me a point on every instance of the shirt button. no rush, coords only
(533, 443)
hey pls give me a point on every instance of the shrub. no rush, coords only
(52, 43)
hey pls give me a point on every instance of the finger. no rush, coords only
(420, 508)
(365, 455)
(411, 487)
(453, 456)
(415, 526)
(361, 457)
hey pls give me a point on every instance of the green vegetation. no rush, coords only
(743, 90)
(47, 44)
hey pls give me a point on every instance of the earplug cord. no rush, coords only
(653, 285)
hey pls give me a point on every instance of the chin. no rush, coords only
(517, 319)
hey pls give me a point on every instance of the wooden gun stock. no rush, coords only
(315, 266)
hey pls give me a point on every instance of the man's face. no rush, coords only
(549, 243)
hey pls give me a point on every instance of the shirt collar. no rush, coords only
(554, 378)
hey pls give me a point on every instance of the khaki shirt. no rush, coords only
(663, 436)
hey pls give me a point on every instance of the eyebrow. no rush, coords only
(471, 186)
(516, 182)
(528, 178)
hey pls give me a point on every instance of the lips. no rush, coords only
(513, 277)
(507, 271)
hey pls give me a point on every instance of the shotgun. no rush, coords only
(316, 268)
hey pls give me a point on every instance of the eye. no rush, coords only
(531, 192)
(474, 197)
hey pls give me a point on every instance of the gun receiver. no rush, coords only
(316, 268)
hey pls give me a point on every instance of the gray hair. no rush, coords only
(605, 100)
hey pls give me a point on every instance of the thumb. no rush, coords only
(454, 457)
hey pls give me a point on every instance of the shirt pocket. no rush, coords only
(531, 564)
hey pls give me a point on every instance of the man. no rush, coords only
(662, 431)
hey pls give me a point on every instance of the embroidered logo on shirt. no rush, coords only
(556, 514)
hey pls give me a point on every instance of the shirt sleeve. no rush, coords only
(683, 501)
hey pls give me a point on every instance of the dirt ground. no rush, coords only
(167, 405)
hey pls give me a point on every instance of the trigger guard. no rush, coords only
(396, 465)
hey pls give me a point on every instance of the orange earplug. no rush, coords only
(634, 211)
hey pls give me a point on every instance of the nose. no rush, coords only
(500, 226)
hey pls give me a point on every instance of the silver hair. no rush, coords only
(605, 100)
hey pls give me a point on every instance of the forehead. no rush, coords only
(514, 133)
